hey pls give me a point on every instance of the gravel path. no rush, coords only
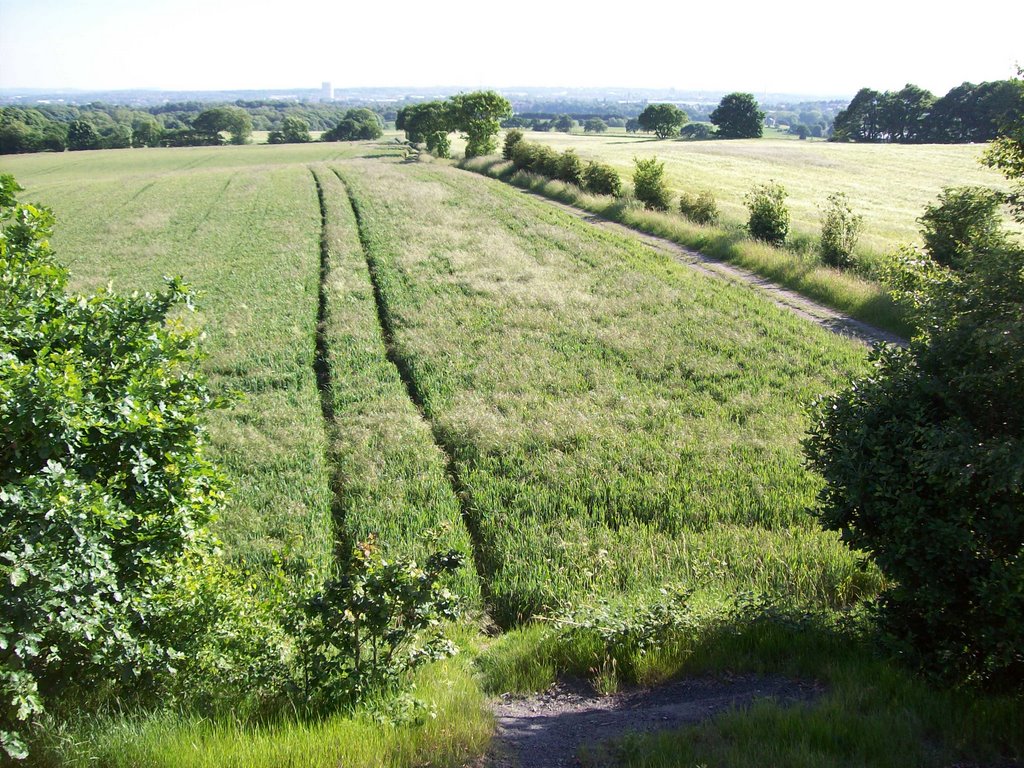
(827, 318)
(547, 730)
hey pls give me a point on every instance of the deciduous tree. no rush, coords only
(478, 115)
(738, 117)
(664, 120)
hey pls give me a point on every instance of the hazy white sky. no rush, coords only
(794, 46)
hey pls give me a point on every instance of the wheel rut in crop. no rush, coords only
(322, 372)
(402, 365)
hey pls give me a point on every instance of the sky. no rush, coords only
(794, 46)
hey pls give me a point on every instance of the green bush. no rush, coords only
(769, 216)
(513, 138)
(700, 208)
(524, 155)
(840, 228)
(356, 125)
(923, 462)
(570, 168)
(601, 179)
(546, 161)
(649, 184)
(362, 631)
(104, 487)
(965, 220)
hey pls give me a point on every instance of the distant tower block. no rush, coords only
(326, 92)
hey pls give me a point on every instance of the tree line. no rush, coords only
(477, 115)
(912, 115)
(57, 127)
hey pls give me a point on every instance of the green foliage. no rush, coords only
(81, 135)
(377, 620)
(564, 123)
(649, 183)
(738, 117)
(1006, 154)
(478, 115)
(104, 487)
(570, 168)
(664, 120)
(965, 220)
(216, 120)
(512, 139)
(769, 216)
(840, 228)
(595, 125)
(601, 179)
(618, 636)
(428, 123)
(146, 132)
(356, 125)
(924, 466)
(697, 131)
(294, 130)
(700, 208)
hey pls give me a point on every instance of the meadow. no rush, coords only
(889, 184)
(435, 357)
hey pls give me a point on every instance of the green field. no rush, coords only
(889, 184)
(436, 357)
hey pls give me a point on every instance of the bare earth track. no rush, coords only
(548, 730)
(827, 318)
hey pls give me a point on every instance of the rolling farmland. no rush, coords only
(431, 356)
(888, 184)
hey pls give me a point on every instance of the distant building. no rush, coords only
(326, 92)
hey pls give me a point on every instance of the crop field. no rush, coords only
(606, 440)
(434, 357)
(888, 184)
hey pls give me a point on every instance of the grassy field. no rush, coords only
(418, 348)
(889, 184)
(607, 441)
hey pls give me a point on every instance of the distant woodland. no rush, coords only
(967, 113)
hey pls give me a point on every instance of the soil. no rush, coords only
(549, 729)
(826, 317)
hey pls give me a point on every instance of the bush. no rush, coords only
(104, 487)
(840, 228)
(965, 220)
(769, 216)
(923, 462)
(601, 179)
(649, 184)
(524, 155)
(513, 139)
(380, 618)
(546, 161)
(355, 125)
(700, 208)
(696, 131)
(570, 168)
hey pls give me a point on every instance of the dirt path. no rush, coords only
(548, 730)
(827, 318)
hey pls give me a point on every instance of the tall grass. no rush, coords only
(390, 476)
(606, 440)
(797, 269)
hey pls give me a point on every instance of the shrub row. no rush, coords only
(596, 178)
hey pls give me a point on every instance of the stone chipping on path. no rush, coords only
(547, 730)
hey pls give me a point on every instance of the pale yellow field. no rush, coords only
(888, 184)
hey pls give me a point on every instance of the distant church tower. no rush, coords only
(326, 92)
